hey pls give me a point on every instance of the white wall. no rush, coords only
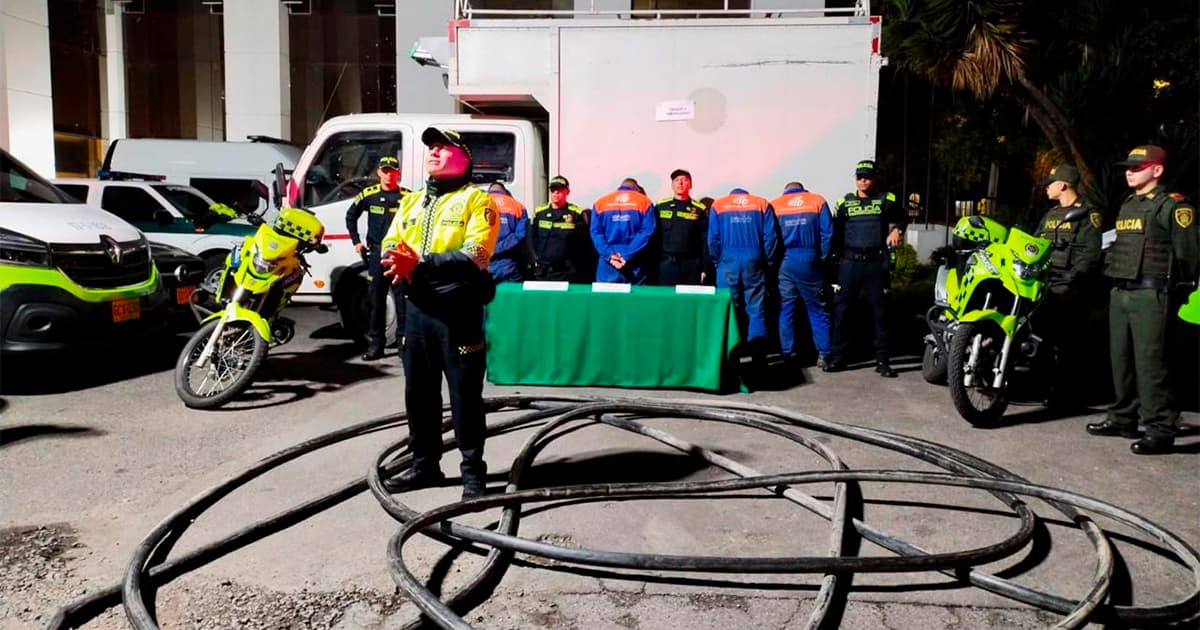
(257, 70)
(26, 110)
(421, 89)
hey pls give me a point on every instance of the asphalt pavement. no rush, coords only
(94, 452)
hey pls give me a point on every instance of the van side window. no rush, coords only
(493, 155)
(78, 192)
(347, 163)
(130, 203)
(238, 194)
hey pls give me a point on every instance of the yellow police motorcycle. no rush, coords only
(970, 234)
(222, 357)
(994, 355)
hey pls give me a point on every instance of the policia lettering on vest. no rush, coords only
(438, 248)
(1157, 249)
(380, 202)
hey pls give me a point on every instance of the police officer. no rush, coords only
(1157, 246)
(866, 222)
(380, 203)
(559, 244)
(508, 260)
(682, 230)
(1074, 264)
(438, 248)
(806, 231)
(622, 225)
(742, 242)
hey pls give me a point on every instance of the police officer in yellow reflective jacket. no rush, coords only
(380, 202)
(1157, 249)
(451, 227)
(1070, 288)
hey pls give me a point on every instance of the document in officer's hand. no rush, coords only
(545, 285)
(610, 287)
(695, 289)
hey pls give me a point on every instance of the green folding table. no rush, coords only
(649, 337)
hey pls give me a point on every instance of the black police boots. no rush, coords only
(1109, 428)
(1154, 444)
(413, 479)
(373, 354)
(473, 478)
(885, 370)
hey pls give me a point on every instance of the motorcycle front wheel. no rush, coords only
(980, 404)
(235, 359)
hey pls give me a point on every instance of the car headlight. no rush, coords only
(260, 264)
(18, 249)
(1026, 271)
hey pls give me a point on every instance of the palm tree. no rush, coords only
(979, 46)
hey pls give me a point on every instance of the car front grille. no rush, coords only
(97, 266)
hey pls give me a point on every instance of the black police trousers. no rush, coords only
(555, 272)
(445, 339)
(868, 278)
(674, 270)
(377, 292)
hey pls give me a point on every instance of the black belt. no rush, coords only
(674, 258)
(556, 266)
(1141, 283)
(858, 254)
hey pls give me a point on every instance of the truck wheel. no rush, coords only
(981, 404)
(354, 309)
(933, 365)
(214, 266)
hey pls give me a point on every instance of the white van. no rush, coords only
(342, 159)
(224, 171)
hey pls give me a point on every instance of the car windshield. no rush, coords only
(189, 201)
(18, 183)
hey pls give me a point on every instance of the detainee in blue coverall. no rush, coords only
(507, 264)
(622, 224)
(806, 231)
(742, 241)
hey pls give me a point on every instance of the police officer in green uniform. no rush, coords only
(1157, 248)
(380, 203)
(866, 222)
(1074, 265)
(559, 243)
(682, 232)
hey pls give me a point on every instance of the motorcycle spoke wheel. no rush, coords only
(236, 356)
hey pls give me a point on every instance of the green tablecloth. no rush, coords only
(650, 337)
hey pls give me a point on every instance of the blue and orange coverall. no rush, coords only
(742, 241)
(506, 264)
(622, 223)
(806, 228)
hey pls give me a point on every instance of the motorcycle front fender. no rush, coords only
(1007, 323)
(246, 315)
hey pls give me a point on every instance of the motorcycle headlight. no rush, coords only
(260, 264)
(1026, 271)
(18, 249)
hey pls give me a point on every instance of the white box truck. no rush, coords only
(750, 102)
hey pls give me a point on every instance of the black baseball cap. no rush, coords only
(559, 182)
(1147, 153)
(389, 161)
(437, 135)
(1062, 173)
(865, 168)
(679, 171)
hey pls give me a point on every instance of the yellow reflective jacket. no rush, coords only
(455, 234)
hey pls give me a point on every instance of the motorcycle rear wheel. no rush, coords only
(235, 360)
(981, 404)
